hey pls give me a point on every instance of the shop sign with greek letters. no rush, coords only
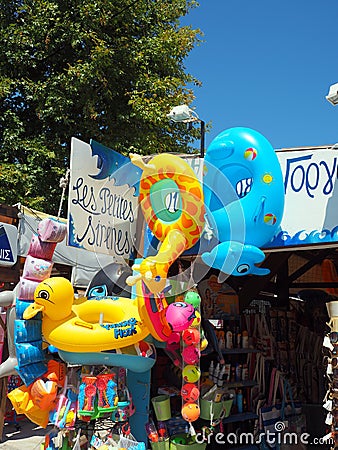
(310, 215)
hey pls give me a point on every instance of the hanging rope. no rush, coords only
(63, 184)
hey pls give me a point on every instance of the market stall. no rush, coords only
(166, 348)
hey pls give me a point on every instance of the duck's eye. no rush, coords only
(44, 295)
(243, 268)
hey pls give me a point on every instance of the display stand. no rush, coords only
(244, 416)
(139, 387)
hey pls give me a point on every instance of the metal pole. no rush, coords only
(202, 147)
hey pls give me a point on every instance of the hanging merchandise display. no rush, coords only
(64, 414)
(81, 330)
(330, 347)
(191, 373)
(76, 355)
(94, 325)
(30, 359)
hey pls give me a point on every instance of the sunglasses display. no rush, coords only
(330, 402)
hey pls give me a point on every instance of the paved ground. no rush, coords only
(28, 436)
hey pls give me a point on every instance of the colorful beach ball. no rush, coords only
(191, 354)
(193, 298)
(197, 321)
(250, 153)
(190, 392)
(191, 336)
(190, 412)
(191, 373)
(270, 219)
(180, 315)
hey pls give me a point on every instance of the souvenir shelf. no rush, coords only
(240, 417)
(240, 384)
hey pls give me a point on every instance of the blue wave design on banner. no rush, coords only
(283, 239)
(113, 165)
(71, 234)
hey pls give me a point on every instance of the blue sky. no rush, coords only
(267, 65)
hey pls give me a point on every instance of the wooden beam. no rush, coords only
(314, 285)
(316, 259)
(9, 214)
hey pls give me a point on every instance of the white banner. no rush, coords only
(101, 215)
(311, 198)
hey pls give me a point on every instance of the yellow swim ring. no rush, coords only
(169, 179)
(90, 326)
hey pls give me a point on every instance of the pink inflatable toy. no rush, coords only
(191, 355)
(180, 315)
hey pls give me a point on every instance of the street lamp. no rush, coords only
(183, 113)
(332, 96)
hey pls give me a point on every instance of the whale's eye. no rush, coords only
(243, 268)
(44, 295)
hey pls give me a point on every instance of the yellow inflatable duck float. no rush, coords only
(90, 326)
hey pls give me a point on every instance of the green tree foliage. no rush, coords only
(109, 70)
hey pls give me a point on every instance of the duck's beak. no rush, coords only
(32, 310)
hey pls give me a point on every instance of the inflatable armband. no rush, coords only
(31, 372)
(27, 289)
(44, 393)
(27, 331)
(29, 352)
(20, 307)
(40, 249)
(37, 269)
(51, 230)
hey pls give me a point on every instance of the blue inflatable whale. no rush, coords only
(244, 199)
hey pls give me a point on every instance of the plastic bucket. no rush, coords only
(160, 445)
(227, 404)
(209, 407)
(161, 405)
(332, 309)
(185, 442)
